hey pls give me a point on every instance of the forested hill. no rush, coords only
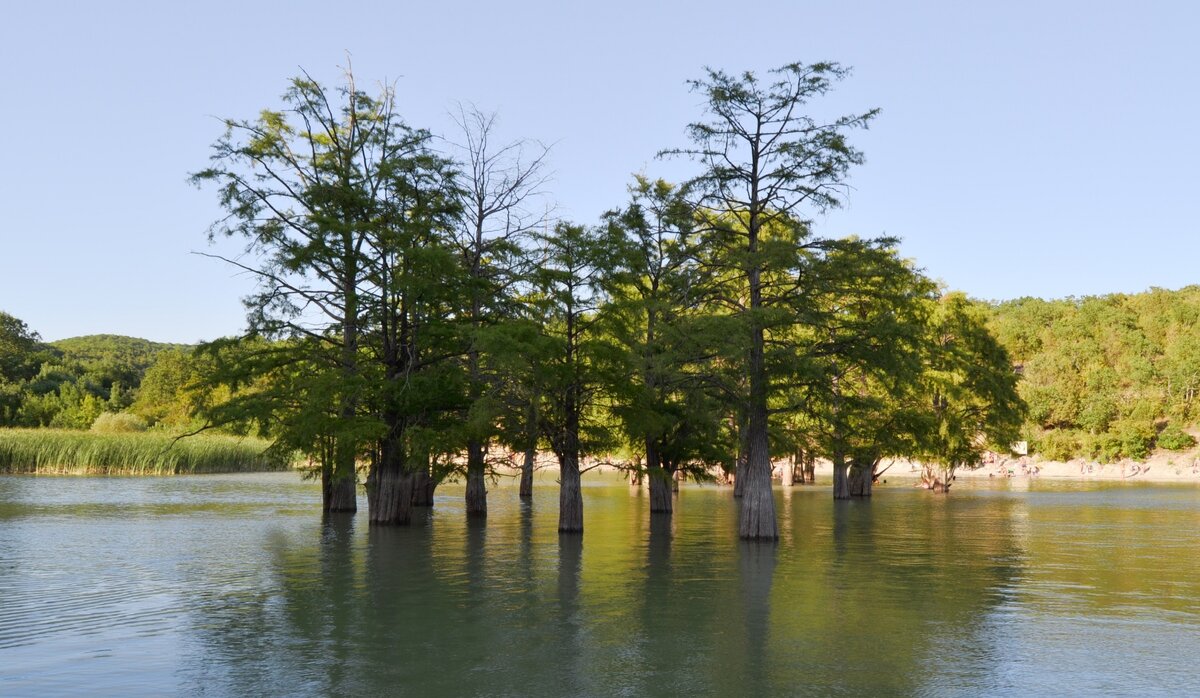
(1106, 376)
(94, 349)
(70, 382)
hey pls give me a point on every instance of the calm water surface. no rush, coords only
(234, 585)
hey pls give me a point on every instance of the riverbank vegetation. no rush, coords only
(1106, 377)
(68, 452)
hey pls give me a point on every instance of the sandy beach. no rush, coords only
(1161, 467)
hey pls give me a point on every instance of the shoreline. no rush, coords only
(1180, 467)
(1164, 467)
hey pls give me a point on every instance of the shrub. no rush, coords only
(1173, 438)
(118, 423)
(1136, 438)
(1104, 447)
(1057, 444)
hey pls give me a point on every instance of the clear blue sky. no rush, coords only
(1024, 148)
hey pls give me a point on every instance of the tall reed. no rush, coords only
(60, 451)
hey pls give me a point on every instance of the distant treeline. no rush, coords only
(1106, 377)
(70, 383)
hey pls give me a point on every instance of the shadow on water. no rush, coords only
(339, 580)
(571, 657)
(757, 561)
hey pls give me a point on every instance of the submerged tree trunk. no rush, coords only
(739, 464)
(476, 486)
(338, 493)
(661, 481)
(339, 481)
(937, 481)
(661, 499)
(570, 497)
(810, 469)
(758, 503)
(787, 474)
(757, 520)
(862, 476)
(526, 490)
(390, 486)
(423, 486)
(841, 480)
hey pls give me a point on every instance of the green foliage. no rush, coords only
(118, 423)
(1103, 369)
(1057, 445)
(52, 451)
(21, 351)
(172, 390)
(969, 384)
(69, 383)
(662, 408)
(865, 318)
(353, 336)
(579, 360)
(1172, 438)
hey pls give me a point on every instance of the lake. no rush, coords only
(234, 585)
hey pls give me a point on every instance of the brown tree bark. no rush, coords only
(661, 497)
(390, 485)
(570, 496)
(757, 521)
(526, 490)
(661, 481)
(739, 466)
(476, 496)
(339, 480)
(862, 476)
(841, 480)
(423, 487)
(338, 493)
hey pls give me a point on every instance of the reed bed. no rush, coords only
(65, 452)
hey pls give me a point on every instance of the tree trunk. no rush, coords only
(841, 481)
(862, 475)
(423, 486)
(757, 520)
(338, 494)
(739, 465)
(570, 497)
(810, 469)
(788, 473)
(526, 491)
(389, 499)
(933, 481)
(339, 481)
(660, 481)
(390, 485)
(661, 499)
(476, 487)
